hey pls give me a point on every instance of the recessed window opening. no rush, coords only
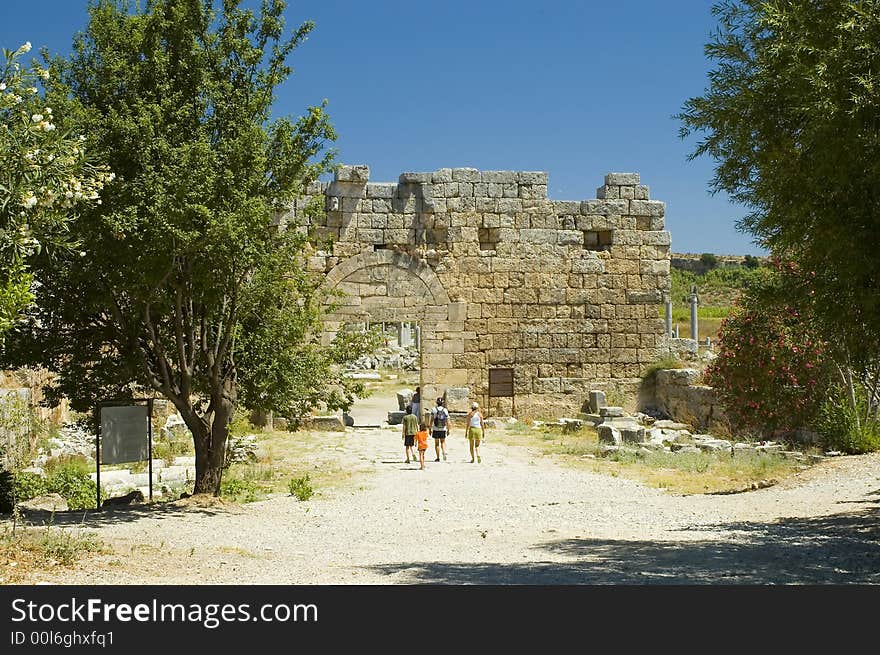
(489, 237)
(598, 239)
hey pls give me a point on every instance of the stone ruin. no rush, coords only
(561, 296)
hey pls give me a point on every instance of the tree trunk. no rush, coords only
(210, 449)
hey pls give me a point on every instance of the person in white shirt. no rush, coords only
(474, 430)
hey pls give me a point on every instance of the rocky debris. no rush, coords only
(396, 418)
(329, 422)
(391, 356)
(709, 443)
(241, 449)
(570, 424)
(611, 412)
(608, 434)
(404, 398)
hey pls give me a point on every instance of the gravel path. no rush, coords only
(516, 518)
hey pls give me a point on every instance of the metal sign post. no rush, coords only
(126, 427)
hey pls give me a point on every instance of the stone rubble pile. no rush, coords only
(392, 356)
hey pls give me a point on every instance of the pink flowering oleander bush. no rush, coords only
(770, 374)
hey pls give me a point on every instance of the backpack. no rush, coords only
(440, 418)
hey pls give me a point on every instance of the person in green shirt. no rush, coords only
(410, 427)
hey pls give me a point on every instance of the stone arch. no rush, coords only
(391, 286)
(372, 261)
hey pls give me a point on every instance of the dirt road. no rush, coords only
(516, 518)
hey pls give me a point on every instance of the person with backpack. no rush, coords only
(439, 428)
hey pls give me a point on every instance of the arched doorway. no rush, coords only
(388, 286)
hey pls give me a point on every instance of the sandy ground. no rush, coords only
(516, 518)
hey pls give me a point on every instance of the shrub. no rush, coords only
(842, 426)
(667, 362)
(29, 485)
(240, 491)
(708, 260)
(76, 463)
(769, 371)
(301, 488)
(77, 488)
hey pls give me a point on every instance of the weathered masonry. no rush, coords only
(563, 295)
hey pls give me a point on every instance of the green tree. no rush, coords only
(792, 118)
(44, 175)
(186, 288)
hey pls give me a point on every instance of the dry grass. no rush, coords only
(680, 473)
(38, 550)
(287, 455)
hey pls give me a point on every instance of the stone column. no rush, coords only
(695, 334)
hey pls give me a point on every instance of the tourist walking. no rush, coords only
(410, 427)
(422, 444)
(417, 404)
(439, 428)
(475, 429)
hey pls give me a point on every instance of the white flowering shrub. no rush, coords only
(44, 174)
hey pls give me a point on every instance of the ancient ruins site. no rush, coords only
(548, 299)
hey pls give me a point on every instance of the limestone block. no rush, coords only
(381, 206)
(533, 191)
(546, 385)
(587, 264)
(358, 173)
(458, 311)
(509, 205)
(385, 191)
(569, 237)
(607, 192)
(654, 267)
(466, 175)
(605, 207)
(647, 208)
(551, 296)
(465, 189)
(532, 177)
(441, 176)
(494, 190)
(620, 179)
(415, 178)
(645, 296)
(609, 434)
(597, 401)
(567, 206)
(679, 377)
(488, 206)
(510, 191)
(538, 236)
(627, 192)
(642, 193)
(500, 177)
(457, 399)
(662, 238)
(481, 190)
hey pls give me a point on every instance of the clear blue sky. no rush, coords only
(577, 89)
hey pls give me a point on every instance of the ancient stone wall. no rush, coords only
(679, 394)
(564, 293)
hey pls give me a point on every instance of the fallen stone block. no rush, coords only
(611, 412)
(395, 418)
(609, 434)
(597, 401)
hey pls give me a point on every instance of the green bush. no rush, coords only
(29, 485)
(840, 427)
(240, 491)
(75, 463)
(77, 488)
(301, 488)
(709, 260)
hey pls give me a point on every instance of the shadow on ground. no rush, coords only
(836, 549)
(124, 514)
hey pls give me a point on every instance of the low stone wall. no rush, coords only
(679, 394)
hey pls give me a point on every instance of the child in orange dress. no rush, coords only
(422, 442)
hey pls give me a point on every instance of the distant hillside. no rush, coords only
(698, 262)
